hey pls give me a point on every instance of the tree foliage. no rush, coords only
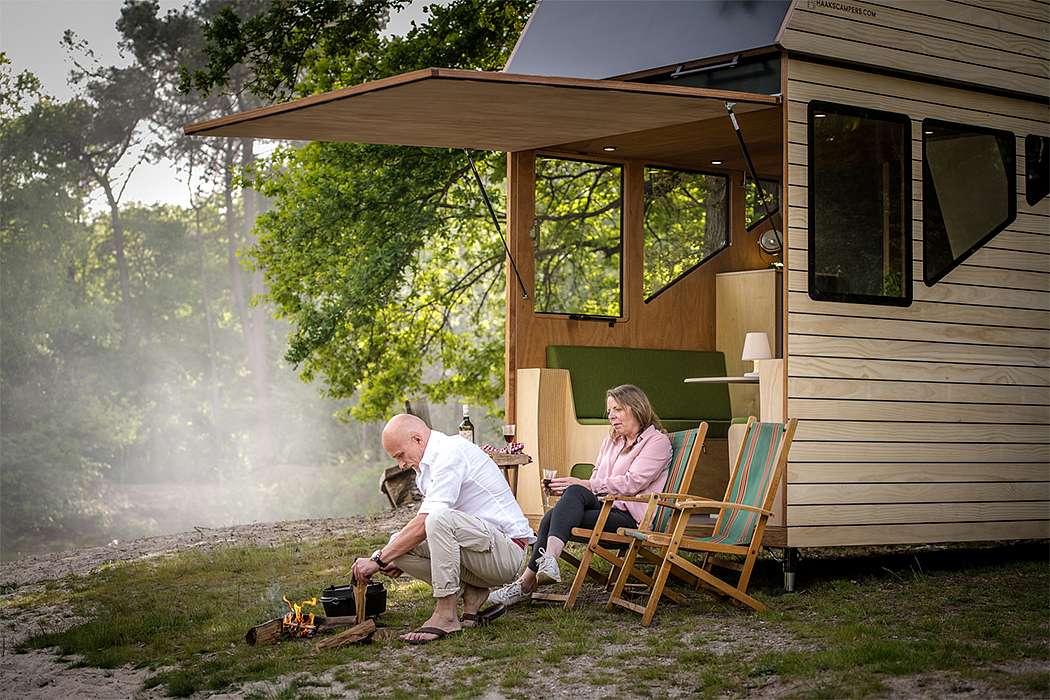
(381, 257)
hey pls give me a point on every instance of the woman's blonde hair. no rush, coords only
(630, 396)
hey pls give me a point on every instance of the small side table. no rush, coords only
(509, 465)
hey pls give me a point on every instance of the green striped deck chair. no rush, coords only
(742, 518)
(686, 446)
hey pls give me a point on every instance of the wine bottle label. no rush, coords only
(467, 435)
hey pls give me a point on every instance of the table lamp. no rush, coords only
(756, 347)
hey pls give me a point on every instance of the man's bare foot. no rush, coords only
(473, 599)
(440, 620)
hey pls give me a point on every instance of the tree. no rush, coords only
(383, 258)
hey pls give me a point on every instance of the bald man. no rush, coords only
(468, 536)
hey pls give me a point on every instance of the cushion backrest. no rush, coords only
(660, 374)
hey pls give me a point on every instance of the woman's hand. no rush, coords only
(559, 485)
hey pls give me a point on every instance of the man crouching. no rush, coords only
(468, 536)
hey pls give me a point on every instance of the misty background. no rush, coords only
(141, 391)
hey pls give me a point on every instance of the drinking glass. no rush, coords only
(548, 474)
(508, 433)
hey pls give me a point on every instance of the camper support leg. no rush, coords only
(790, 567)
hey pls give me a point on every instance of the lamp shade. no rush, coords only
(756, 347)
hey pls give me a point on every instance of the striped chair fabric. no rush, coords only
(750, 484)
(681, 447)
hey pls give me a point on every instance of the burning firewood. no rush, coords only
(297, 624)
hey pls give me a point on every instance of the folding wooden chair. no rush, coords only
(686, 446)
(742, 518)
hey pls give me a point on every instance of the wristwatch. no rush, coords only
(377, 560)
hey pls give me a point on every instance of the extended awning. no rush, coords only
(450, 108)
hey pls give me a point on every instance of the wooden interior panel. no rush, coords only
(992, 377)
(918, 411)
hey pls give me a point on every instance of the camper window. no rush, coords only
(756, 211)
(860, 205)
(578, 238)
(968, 192)
(686, 222)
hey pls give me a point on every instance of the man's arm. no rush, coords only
(410, 535)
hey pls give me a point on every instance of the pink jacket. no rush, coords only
(641, 471)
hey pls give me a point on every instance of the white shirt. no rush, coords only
(455, 473)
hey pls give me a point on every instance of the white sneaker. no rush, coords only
(511, 594)
(547, 570)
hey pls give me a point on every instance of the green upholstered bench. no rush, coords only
(660, 374)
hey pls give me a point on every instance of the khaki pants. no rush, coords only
(462, 548)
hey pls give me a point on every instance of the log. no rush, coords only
(360, 589)
(272, 631)
(357, 633)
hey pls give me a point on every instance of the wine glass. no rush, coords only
(508, 433)
(548, 474)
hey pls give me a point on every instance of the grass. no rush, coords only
(950, 619)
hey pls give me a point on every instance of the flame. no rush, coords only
(296, 623)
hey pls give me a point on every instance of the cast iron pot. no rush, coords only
(339, 600)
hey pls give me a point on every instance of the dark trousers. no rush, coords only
(577, 507)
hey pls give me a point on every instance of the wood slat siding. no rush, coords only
(802, 474)
(930, 422)
(989, 491)
(1001, 47)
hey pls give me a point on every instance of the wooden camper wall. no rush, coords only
(680, 318)
(927, 423)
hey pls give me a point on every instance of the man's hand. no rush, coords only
(364, 568)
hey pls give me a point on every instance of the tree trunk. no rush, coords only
(263, 443)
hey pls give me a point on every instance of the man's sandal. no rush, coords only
(436, 631)
(483, 617)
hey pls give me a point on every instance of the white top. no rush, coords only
(455, 473)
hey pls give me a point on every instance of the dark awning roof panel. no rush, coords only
(449, 108)
(606, 39)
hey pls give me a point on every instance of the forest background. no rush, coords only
(166, 367)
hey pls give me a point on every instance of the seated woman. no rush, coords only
(633, 460)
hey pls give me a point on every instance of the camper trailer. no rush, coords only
(865, 183)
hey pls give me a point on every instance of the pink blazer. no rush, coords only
(641, 471)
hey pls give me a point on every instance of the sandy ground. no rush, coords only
(40, 675)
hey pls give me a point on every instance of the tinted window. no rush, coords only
(860, 205)
(968, 192)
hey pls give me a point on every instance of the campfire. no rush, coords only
(295, 623)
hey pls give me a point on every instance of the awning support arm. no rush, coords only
(754, 175)
(495, 220)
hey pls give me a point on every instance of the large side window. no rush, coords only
(579, 239)
(686, 222)
(968, 192)
(860, 205)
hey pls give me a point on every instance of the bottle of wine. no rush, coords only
(466, 428)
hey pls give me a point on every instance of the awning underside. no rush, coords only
(447, 108)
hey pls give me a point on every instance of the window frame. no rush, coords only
(622, 302)
(728, 227)
(907, 192)
(928, 190)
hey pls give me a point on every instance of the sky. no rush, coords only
(31, 33)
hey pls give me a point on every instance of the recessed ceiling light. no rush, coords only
(610, 148)
(716, 162)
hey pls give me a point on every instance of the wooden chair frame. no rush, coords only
(610, 545)
(747, 544)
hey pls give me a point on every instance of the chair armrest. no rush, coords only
(704, 503)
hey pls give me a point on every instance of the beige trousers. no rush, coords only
(461, 548)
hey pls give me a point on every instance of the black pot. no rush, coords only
(339, 600)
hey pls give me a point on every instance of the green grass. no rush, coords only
(959, 617)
